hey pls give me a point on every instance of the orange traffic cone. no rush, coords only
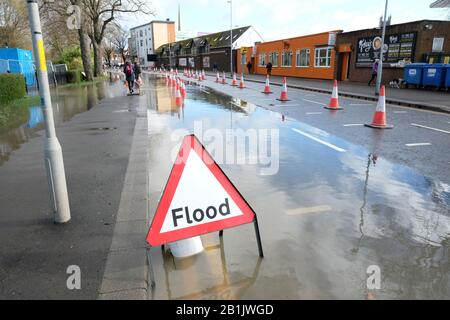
(242, 84)
(334, 102)
(267, 87)
(203, 75)
(379, 119)
(234, 82)
(178, 99)
(183, 90)
(224, 78)
(284, 93)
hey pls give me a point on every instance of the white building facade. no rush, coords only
(144, 39)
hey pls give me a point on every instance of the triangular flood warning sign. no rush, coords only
(198, 199)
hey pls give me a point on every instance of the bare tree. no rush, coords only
(103, 12)
(14, 29)
(119, 40)
(61, 8)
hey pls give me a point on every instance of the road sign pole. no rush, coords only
(380, 64)
(258, 237)
(54, 162)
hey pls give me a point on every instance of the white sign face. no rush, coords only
(438, 44)
(183, 62)
(199, 198)
(206, 62)
(412, 72)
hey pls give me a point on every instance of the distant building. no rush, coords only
(425, 41)
(205, 51)
(144, 40)
(310, 56)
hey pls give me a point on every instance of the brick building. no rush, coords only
(204, 51)
(420, 41)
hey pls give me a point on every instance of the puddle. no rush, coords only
(325, 216)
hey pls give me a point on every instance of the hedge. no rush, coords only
(12, 87)
(73, 76)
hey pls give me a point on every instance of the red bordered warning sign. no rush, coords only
(198, 199)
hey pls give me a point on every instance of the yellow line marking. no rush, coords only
(301, 211)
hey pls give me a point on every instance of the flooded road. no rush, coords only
(331, 212)
(67, 102)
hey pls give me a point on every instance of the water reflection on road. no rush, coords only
(67, 102)
(325, 217)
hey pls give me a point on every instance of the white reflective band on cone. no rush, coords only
(186, 248)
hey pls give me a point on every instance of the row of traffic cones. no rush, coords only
(379, 120)
(172, 80)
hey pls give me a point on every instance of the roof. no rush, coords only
(301, 37)
(149, 23)
(398, 24)
(440, 4)
(215, 40)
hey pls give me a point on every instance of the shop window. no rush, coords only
(303, 58)
(286, 59)
(273, 58)
(322, 57)
(262, 60)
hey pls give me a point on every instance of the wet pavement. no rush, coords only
(326, 216)
(67, 102)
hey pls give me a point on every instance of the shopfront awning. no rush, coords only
(440, 4)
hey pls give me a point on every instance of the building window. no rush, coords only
(303, 58)
(142, 43)
(322, 57)
(286, 59)
(141, 33)
(262, 60)
(273, 58)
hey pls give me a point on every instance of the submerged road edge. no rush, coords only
(126, 270)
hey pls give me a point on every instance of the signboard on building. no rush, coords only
(192, 62)
(397, 47)
(206, 63)
(183, 62)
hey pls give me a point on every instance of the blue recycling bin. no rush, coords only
(413, 74)
(434, 75)
(447, 77)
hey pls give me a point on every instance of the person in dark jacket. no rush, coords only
(269, 68)
(374, 71)
(249, 67)
(137, 73)
(129, 75)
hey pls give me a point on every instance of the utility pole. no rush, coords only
(54, 162)
(231, 37)
(380, 64)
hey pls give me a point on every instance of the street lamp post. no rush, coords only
(380, 64)
(54, 162)
(231, 37)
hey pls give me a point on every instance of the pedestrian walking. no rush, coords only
(249, 67)
(374, 71)
(137, 73)
(269, 68)
(129, 75)
(215, 67)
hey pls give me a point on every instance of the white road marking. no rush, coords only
(429, 128)
(313, 113)
(418, 144)
(301, 211)
(320, 103)
(353, 125)
(320, 141)
(399, 112)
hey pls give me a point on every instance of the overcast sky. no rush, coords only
(288, 18)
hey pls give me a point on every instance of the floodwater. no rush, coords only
(67, 102)
(327, 218)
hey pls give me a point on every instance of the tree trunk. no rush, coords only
(97, 59)
(85, 54)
